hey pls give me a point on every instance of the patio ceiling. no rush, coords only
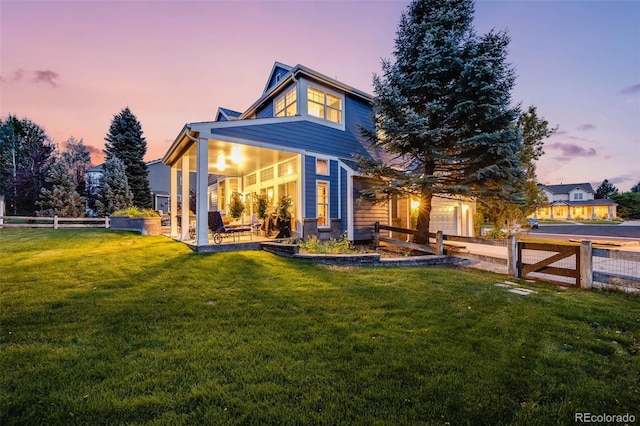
(234, 159)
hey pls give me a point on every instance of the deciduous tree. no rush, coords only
(606, 189)
(25, 157)
(504, 212)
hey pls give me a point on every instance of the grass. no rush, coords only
(101, 327)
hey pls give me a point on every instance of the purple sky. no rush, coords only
(71, 65)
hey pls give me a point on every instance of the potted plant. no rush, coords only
(261, 203)
(283, 222)
(236, 206)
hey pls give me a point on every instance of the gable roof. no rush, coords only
(566, 188)
(226, 114)
(290, 76)
(277, 72)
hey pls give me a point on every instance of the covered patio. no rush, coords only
(223, 166)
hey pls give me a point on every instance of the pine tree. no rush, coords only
(62, 199)
(443, 110)
(126, 142)
(114, 193)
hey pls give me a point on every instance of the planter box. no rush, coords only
(144, 225)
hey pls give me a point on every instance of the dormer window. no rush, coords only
(324, 105)
(285, 105)
(577, 196)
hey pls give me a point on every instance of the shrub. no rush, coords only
(331, 246)
(495, 234)
(136, 212)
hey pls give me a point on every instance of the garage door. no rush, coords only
(443, 218)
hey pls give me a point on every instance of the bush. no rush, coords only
(316, 246)
(136, 212)
(495, 234)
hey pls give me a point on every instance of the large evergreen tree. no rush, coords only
(62, 198)
(25, 157)
(114, 193)
(443, 109)
(125, 141)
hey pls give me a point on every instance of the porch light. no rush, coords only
(415, 204)
(220, 165)
(235, 154)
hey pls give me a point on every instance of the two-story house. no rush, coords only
(300, 138)
(575, 201)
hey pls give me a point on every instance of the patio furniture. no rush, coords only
(220, 230)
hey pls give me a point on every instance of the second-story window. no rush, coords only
(324, 105)
(286, 104)
(577, 196)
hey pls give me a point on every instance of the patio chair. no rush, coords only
(219, 229)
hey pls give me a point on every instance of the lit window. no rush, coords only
(323, 203)
(324, 105)
(286, 104)
(322, 167)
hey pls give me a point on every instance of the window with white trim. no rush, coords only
(323, 203)
(577, 196)
(322, 167)
(285, 105)
(324, 105)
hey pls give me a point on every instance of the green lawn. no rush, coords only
(101, 327)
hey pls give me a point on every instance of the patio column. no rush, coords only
(593, 212)
(174, 200)
(610, 211)
(185, 198)
(568, 212)
(202, 200)
(551, 214)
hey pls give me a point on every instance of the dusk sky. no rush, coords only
(70, 66)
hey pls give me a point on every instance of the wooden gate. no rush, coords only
(557, 252)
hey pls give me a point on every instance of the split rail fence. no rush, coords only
(54, 222)
(569, 264)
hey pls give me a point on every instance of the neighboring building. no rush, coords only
(299, 138)
(575, 201)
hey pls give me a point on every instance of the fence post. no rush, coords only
(376, 234)
(1, 210)
(439, 243)
(55, 222)
(586, 265)
(512, 256)
(107, 224)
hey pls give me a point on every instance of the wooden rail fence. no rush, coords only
(572, 264)
(54, 222)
